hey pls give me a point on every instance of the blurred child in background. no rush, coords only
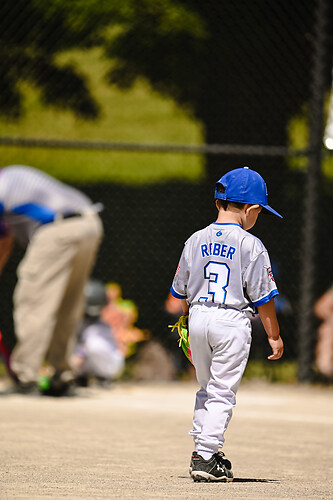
(96, 354)
(121, 315)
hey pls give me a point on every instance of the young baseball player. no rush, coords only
(224, 275)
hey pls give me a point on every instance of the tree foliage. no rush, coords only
(242, 68)
(31, 35)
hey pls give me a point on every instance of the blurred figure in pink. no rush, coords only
(324, 350)
(121, 315)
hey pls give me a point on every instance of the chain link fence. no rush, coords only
(245, 71)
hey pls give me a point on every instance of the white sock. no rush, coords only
(206, 455)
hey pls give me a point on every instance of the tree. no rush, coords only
(243, 69)
(31, 35)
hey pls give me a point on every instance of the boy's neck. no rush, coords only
(229, 216)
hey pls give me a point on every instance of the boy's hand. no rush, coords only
(277, 348)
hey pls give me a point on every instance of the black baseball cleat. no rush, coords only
(225, 461)
(23, 389)
(214, 469)
(60, 385)
(193, 456)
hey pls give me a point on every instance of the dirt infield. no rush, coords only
(131, 442)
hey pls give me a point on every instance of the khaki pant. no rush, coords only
(49, 296)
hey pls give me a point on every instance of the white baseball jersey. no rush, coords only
(224, 265)
(30, 198)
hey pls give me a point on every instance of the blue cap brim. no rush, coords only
(271, 210)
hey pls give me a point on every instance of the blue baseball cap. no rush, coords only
(244, 185)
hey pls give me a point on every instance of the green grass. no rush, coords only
(92, 166)
(137, 115)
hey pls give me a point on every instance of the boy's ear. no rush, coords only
(248, 207)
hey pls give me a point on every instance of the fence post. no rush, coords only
(311, 199)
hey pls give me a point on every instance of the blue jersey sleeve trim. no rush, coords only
(266, 299)
(176, 294)
(41, 213)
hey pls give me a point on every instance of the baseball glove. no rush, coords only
(182, 329)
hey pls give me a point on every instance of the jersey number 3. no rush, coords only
(217, 274)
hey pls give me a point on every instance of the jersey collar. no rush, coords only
(226, 224)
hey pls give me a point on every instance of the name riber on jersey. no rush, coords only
(217, 249)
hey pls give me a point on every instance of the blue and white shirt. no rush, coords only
(224, 265)
(30, 198)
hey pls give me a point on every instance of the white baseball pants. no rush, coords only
(220, 342)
